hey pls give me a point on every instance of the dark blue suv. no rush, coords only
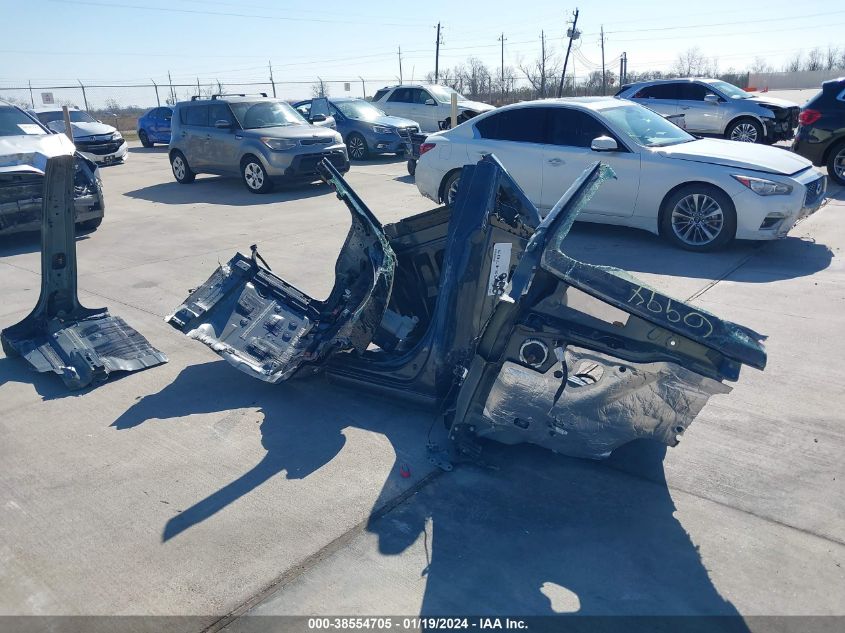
(366, 130)
(154, 127)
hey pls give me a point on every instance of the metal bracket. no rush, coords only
(80, 344)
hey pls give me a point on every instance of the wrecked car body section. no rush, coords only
(270, 330)
(23, 160)
(82, 345)
(478, 311)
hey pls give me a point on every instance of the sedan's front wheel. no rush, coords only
(699, 218)
(450, 188)
(836, 164)
(357, 146)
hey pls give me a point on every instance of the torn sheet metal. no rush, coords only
(82, 345)
(477, 311)
(270, 330)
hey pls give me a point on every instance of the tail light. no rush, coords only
(425, 147)
(808, 117)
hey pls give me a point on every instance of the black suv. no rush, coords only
(821, 130)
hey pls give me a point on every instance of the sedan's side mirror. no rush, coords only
(711, 98)
(318, 118)
(430, 102)
(222, 124)
(604, 144)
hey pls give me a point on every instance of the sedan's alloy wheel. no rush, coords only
(744, 132)
(697, 219)
(254, 176)
(453, 191)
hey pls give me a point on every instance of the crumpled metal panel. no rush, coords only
(592, 403)
(270, 330)
(80, 344)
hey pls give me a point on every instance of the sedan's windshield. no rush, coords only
(645, 127)
(444, 94)
(729, 90)
(359, 110)
(76, 116)
(258, 114)
(13, 122)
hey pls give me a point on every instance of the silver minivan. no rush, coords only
(715, 107)
(262, 140)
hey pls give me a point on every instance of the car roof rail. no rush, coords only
(235, 94)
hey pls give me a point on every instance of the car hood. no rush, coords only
(477, 106)
(293, 131)
(30, 152)
(740, 155)
(82, 128)
(392, 121)
(764, 99)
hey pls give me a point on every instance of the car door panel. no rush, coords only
(221, 147)
(662, 98)
(699, 115)
(568, 154)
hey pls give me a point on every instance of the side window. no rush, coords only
(401, 95)
(421, 96)
(379, 94)
(574, 128)
(320, 106)
(166, 113)
(195, 115)
(692, 92)
(219, 112)
(658, 91)
(304, 109)
(524, 125)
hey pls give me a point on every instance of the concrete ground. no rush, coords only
(192, 490)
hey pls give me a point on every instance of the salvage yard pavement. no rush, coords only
(191, 489)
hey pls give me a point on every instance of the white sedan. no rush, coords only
(698, 193)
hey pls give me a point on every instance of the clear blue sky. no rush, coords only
(126, 41)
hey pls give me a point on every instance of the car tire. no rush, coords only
(145, 140)
(181, 170)
(255, 176)
(412, 167)
(745, 130)
(356, 145)
(699, 218)
(91, 225)
(449, 188)
(836, 163)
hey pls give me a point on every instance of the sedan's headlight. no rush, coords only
(116, 136)
(763, 187)
(338, 138)
(279, 144)
(381, 129)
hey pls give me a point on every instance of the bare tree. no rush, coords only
(319, 89)
(831, 58)
(814, 60)
(541, 72)
(760, 66)
(795, 63)
(690, 63)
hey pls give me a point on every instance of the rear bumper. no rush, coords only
(810, 148)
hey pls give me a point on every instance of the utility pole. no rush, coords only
(603, 72)
(84, 97)
(272, 83)
(158, 101)
(400, 65)
(502, 40)
(363, 88)
(198, 87)
(542, 64)
(437, 56)
(573, 35)
(219, 87)
(624, 76)
(172, 92)
(31, 98)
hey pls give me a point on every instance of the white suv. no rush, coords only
(429, 105)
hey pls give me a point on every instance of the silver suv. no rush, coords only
(257, 138)
(715, 107)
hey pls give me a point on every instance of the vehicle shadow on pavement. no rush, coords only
(225, 191)
(158, 149)
(746, 262)
(550, 535)
(302, 429)
(30, 242)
